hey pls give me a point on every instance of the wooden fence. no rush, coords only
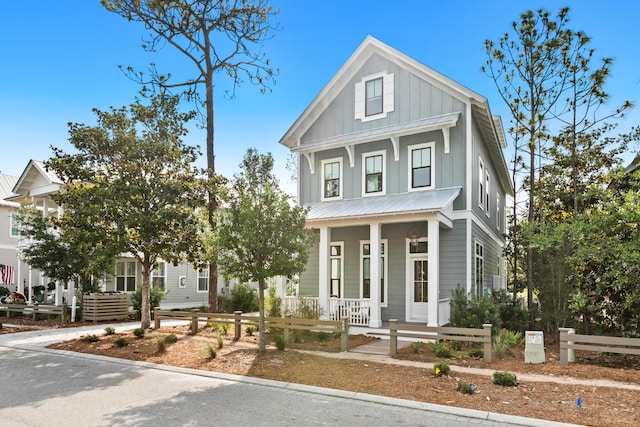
(439, 333)
(35, 309)
(97, 307)
(238, 320)
(572, 341)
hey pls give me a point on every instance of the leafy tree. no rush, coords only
(132, 182)
(260, 233)
(59, 254)
(216, 36)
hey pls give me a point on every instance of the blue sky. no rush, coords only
(58, 60)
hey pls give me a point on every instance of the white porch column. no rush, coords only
(434, 272)
(374, 273)
(323, 270)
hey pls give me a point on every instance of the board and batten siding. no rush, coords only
(492, 255)
(453, 258)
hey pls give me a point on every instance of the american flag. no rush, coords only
(6, 274)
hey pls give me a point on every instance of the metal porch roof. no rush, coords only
(394, 204)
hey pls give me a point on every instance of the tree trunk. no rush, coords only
(145, 307)
(212, 204)
(262, 344)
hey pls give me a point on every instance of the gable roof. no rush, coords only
(35, 180)
(7, 182)
(490, 126)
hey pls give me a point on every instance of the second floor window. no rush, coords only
(331, 171)
(374, 173)
(15, 226)
(373, 94)
(421, 166)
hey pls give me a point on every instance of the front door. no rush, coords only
(418, 288)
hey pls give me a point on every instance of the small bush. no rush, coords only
(280, 341)
(504, 343)
(441, 349)
(456, 345)
(503, 378)
(440, 369)
(91, 338)
(416, 346)
(466, 388)
(476, 352)
(138, 332)
(244, 298)
(109, 330)
(171, 338)
(273, 303)
(211, 351)
(4, 291)
(162, 345)
(323, 336)
(220, 341)
(249, 330)
(121, 342)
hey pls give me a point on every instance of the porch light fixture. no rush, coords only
(414, 235)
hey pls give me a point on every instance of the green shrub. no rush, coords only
(138, 332)
(513, 315)
(109, 330)
(476, 352)
(249, 330)
(211, 351)
(91, 338)
(466, 388)
(225, 305)
(244, 298)
(280, 341)
(121, 342)
(161, 345)
(220, 341)
(441, 349)
(323, 336)
(170, 339)
(503, 378)
(156, 295)
(416, 346)
(473, 311)
(504, 343)
(440, 369)
(4, 291)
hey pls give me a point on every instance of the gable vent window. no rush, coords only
(374, 97)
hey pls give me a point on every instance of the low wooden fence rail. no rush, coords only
(572, 341)
(439, 333)
(238, 320)
(35, 310)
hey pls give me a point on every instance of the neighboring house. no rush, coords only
(10, 267)
(185, 286)
(404, 176)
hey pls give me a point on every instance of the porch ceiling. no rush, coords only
(439, 200)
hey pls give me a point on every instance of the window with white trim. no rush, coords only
(365, 270)
(421, 166)
(498, 213)
(203, 280)
(126, 276)
(487, 205)
(331, 179)
(479, 268)
(481, 183)
(336, 266)
(374, 96)
(158, 276)
(14, 230)
(374, 176)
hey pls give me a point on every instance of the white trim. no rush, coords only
(388, 102)
(341, 181)
(498, 213)
(384, 242)
(12, 219)
(481, 183)
(410, 148)
(311, 160)
(198, 291)
(341, 258)
(487, 193)
(382, 153)
(409, 258)
(126, 275)
(475, 219)
(478, 291)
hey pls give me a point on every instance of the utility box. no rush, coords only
(534, 347)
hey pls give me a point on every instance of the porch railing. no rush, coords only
(357, 311)
(444, 311)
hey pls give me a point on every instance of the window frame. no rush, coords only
(487, 202)
(323, 196)
(481, 183)
(498, 213)
(202, 275)
(375, 98)
(432, 176)
(341, 278)
(157, 277)
(388, 102)
(478, 264)
(127, 275)
(383, 173)
(14, 225)
(384, 295)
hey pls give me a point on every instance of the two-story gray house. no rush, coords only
(403, 172)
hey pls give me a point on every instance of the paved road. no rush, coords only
(40, 387)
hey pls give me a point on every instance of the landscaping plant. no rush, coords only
(416, 346)
(109, 330)
(138, 332)
(503, 378)
(440, 369)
